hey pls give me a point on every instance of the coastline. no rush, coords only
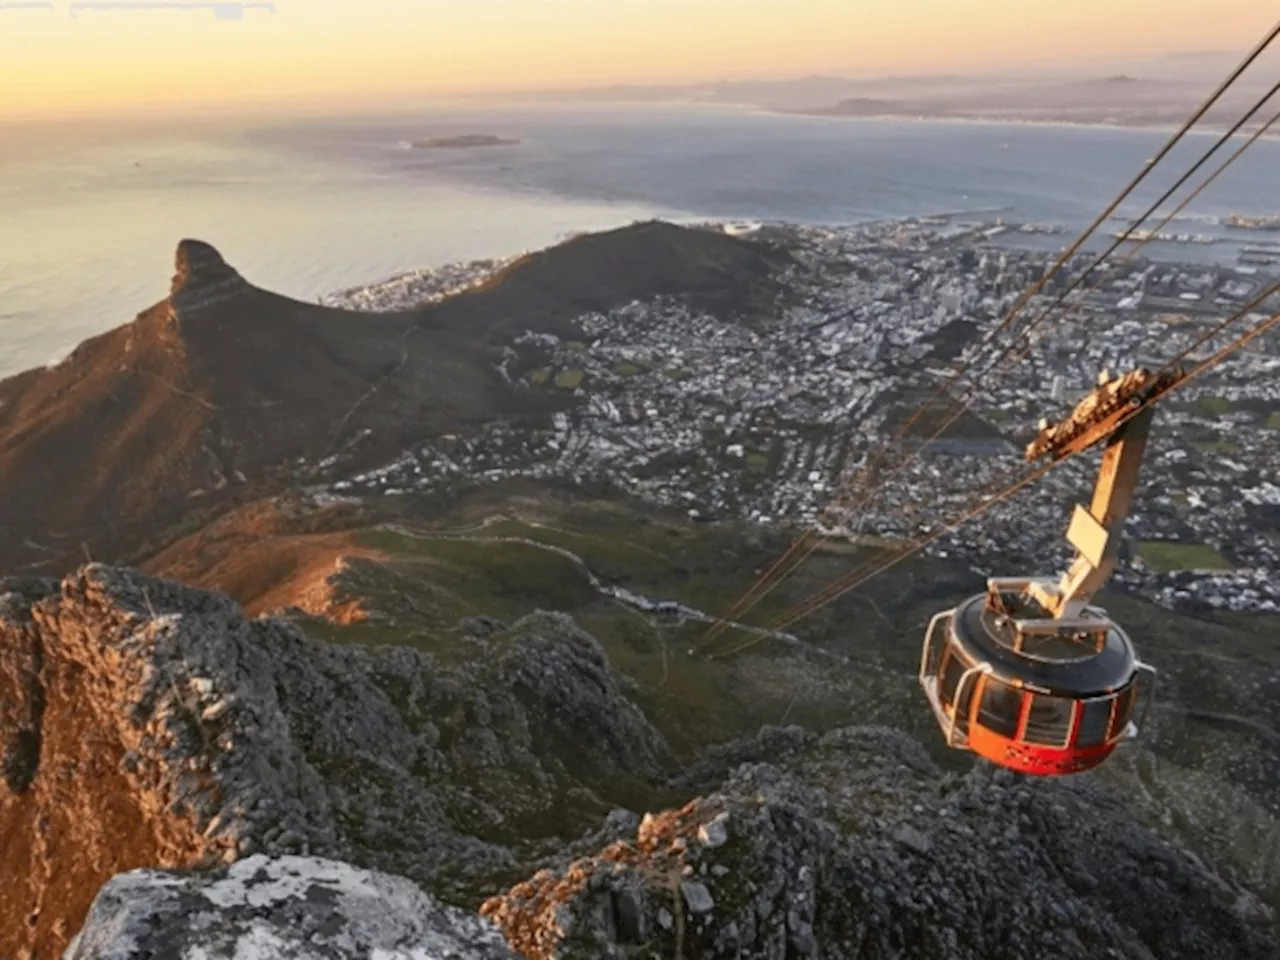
(1204, 131)
(481, 269)
(397, 221)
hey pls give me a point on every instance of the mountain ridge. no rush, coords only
(224, 385)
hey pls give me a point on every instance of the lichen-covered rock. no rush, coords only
(854, 845)
(291, 908)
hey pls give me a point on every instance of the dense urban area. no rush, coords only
(772, 419)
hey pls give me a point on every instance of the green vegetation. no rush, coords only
(678, 374)
(879, 542)
(431, 579)
(540, 376)
(576, 346)
(996, 415)
(934, 415)
(1273, 421)
(570, 379)
(1213, 406)
(756, 461)
(1217, 446)
(694, 699)
(1167, 556)
(486, 575)
(627, 369)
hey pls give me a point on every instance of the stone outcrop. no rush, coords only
(283, 909)
(854, 845)
(202, 278)
(143, 723)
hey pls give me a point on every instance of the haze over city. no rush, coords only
(92, 58)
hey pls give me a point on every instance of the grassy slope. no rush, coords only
(434, 577)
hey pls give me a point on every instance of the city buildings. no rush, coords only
(770, 420)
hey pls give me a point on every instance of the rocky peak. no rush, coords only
(197, 264)
(202, 277)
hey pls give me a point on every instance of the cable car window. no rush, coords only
(1049, 721)
(1001, 707)
(1094, 717)
(952, 671)
(1124, 710)
(937, 641)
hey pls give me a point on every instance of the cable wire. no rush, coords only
(972, 395)
(808, 542)
(843, 585)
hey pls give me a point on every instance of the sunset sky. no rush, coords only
(339, 53)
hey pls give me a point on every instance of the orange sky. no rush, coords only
(339, 52)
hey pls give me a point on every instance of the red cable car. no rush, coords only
(1030, 675)
(1039, 702)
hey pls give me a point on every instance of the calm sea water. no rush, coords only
(89, 218)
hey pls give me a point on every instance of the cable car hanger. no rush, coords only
(1031, 675)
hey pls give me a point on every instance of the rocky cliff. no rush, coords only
(147, 724)
(848, 846)
(854, 845)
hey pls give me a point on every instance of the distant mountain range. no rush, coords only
(1129, 93)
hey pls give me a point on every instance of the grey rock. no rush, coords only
(909, 836)
(697, 897)
(803, 873)
(716, 833)
(481, 627)
(291, 908)
(629, 916)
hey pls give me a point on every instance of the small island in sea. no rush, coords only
(463, 141)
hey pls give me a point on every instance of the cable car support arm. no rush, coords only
(1095, 532)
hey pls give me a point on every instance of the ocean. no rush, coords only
(89, 217)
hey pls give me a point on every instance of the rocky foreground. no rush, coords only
(852, 845)
(289, 907)
(143, 723)
(148, 725)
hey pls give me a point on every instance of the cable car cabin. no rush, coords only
(1039, 701)
(1029, 674)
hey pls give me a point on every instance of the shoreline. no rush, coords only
(1213, 130)
(698, 222)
